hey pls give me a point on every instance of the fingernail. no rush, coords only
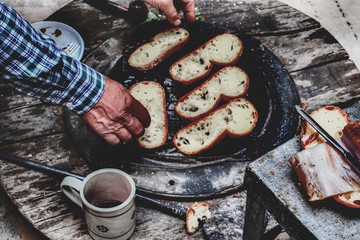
(177, 22)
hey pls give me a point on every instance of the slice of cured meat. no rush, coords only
(323, 172)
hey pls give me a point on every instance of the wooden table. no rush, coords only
(30, 128)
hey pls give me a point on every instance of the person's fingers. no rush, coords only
(123, 134)
(140, 112)
(171, 9)
(172, 15)
(111, 138)
(131, 124)
(168, 8)
(188, 7)
(134, 126)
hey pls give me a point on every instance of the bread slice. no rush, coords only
(235, 119)
(228, 83)
(333, 119)
(198, 211)
(351, 199)
(159, 48)
(152, 96)
(224, 49)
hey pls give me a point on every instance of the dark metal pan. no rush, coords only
(220, 170)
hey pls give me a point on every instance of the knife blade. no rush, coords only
(347, 155)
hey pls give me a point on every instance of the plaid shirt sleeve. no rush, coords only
(31, 62)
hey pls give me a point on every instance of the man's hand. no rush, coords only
(171, 9)
(117, 116)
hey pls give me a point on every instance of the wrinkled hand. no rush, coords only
(171, 9)
(117, 116)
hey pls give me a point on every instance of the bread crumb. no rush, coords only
(197, 212)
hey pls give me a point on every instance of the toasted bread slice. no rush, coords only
(160, 47)
(333, 119)
(235, 119)
(152, 96)
(351, 199)
(224, 49)
(228, 83)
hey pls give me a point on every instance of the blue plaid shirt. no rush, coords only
(31, 63)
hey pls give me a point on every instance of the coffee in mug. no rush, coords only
(107, 197)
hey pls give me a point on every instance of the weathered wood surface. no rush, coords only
(10, 98)
(256, 17)
(26, 122)
(318, 64)
(334, 83)
(299, 51)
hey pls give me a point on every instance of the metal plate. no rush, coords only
(220, 170)
(63, 35)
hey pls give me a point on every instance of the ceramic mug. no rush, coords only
(107, 197)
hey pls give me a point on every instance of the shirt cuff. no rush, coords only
(85, 89)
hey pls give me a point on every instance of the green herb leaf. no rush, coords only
(151, 17)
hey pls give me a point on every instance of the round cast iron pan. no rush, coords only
(168, 173)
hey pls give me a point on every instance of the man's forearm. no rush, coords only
(31, 62)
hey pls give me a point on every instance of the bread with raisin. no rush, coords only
(228, 83)
(152, 96)
(234, 119)
(224, 49)
(161, 46)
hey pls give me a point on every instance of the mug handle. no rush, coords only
(71, 188)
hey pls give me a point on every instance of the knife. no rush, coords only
(348, 156)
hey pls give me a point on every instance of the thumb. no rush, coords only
(172, 15)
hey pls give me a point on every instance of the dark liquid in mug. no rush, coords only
(108, 204)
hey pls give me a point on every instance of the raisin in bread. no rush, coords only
(197, 212)
(332, 119)
(161, 47)
(224, 49)
(152, 96)
(234, 119)
(228, 83)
